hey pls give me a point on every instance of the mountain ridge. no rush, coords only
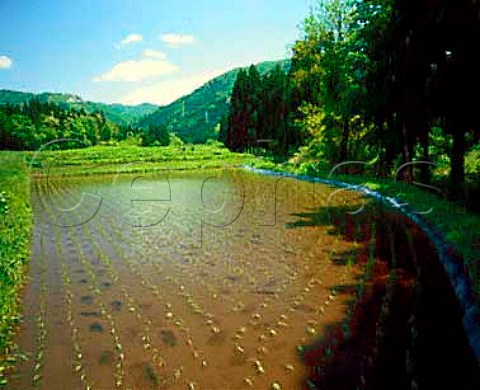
(120, 114)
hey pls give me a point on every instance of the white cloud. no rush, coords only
(166, 91)
(137, 70)
(175, 40)
(5, 62)
(132, 38)
(154, 54)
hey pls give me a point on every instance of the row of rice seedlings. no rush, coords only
(311, 325)
(380, 324)
(254, 272)
(387, 300)
(78, 358)
(94, 287)
(365, 277)
(41, 338)
(330, 349)
(207, 286)
(113, 329)
(234, 304)
(391, 283)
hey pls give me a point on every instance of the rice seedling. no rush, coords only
(276, 386)
(41, 338)
(289, 367)
(259, 366)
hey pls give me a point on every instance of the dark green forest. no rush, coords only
(28, 126)
(387, 82)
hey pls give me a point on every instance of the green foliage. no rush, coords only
(175, 140)
(356, 91)
(327, 72)
(15, 229)
(30, 125)
(472, 166)
(156, 135)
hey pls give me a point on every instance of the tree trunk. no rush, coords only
(407, 152)
(344, 143)
(390, 148)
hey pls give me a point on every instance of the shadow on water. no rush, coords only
(404, 327)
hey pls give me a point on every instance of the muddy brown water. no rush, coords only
(206, 280)
(220, 279)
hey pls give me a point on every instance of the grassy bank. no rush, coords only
(458, 225)
(131, 159)
(15, 228)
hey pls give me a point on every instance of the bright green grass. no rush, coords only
(15, 228)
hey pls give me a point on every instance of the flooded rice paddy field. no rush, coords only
(205, 280)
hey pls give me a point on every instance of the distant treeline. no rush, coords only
(29, 125)
(388, 82)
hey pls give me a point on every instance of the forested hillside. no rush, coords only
(28, 126)
(117, 113)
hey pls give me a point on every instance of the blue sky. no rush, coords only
(138, 51)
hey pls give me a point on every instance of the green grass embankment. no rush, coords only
(15, 230)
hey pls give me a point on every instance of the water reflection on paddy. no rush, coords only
(181, 280)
